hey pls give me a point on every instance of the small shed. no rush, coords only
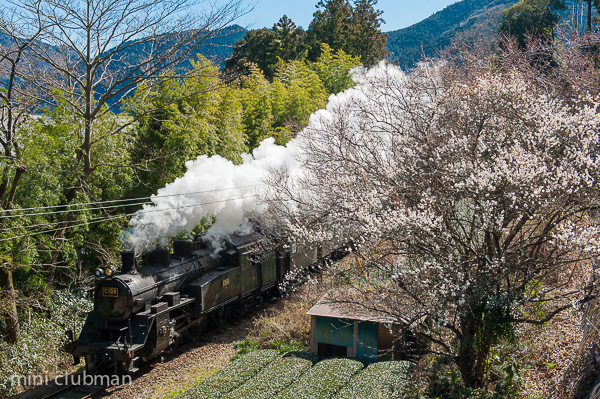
(348, 329)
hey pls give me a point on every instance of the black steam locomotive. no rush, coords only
(144, 312)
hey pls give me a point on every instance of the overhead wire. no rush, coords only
(63, 228)
(31, 226)
(100, 220)
(8, 229)
(73, 210)
(107, 202)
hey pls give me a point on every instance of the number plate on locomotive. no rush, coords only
(110, 291)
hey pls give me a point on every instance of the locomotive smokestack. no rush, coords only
(128, 262)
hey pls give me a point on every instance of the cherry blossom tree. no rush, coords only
(472, 192)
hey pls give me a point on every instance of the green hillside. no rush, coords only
(464, 21)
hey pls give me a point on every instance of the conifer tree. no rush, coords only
(330, 25)
(264, 47)
(351, 27)
(531, 20)
(366, 39)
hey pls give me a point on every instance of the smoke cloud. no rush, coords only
(212, 186)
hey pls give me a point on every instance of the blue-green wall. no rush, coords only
(367, 341)
(334, 331)
(340, 332)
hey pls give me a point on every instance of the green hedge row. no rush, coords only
(272, 379)
(323, 380)
(232, 376)
(264, 374)
(384, 380)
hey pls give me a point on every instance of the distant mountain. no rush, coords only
(216, 48)
(465, 21)
(220, 46)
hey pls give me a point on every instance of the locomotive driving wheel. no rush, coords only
(220, 316)
(194, 331)
(91, 363)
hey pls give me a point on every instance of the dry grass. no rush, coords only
(284, 324)
(559, 363)
(558, 357)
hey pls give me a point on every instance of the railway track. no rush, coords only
(75, 392)
(79, 385)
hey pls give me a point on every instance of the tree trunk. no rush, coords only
(589, 15)
(8, 306)
(55, 255)
(472, 353)
(18, 174)
(88, 169)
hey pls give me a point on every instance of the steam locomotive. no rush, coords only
(144, 312)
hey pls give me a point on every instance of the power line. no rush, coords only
(130, 199)
(48, 224)
(107, 202)
(123, 216)
(7, 229)
(72, 210)
(63, 228)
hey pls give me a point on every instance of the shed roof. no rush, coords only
(335, 304)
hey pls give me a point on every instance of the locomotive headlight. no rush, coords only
(110, 271)
(99, 273)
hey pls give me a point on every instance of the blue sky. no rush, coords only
(396, 13)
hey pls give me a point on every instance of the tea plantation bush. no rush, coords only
(272, 379)
(303, 355)
(39, 350)
(232, 376)
(384, 380)
(323, 380)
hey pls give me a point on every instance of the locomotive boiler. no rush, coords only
(143, 312)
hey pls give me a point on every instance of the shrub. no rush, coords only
(290, 326)
(39, 350)
(379, 380)
(323, 380)
(244, 347)
(272, 379)
(251, 345)
(232, 376)
(303, 355)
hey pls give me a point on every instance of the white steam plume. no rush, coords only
(211, 186)
(216, 186)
